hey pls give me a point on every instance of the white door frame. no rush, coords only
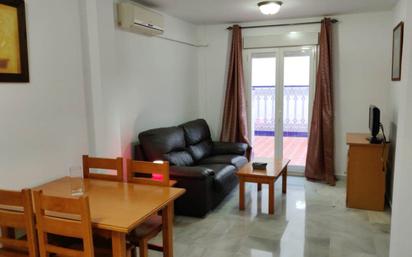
(247, 56)
(279, 53)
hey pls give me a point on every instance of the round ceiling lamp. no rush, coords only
(269, 7)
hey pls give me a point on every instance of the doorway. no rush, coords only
(280, 115)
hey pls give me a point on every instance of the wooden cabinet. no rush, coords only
(366, 178)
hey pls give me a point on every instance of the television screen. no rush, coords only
(374, 121)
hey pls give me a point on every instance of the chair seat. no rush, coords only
(148, 230)
(102, 246)
(8, 252)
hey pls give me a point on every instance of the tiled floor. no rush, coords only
(310, 221)
(294, 148)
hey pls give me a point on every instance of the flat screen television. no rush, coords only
(374, 124)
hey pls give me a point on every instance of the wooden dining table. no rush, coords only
(118, 208)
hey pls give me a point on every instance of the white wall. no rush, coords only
(397, 88)
(361, 68)
(146, 82)
(89, 77)
(43, 127)
(362, 64)
(401, 229)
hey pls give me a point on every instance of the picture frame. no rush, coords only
(397, 50)
(14, 64)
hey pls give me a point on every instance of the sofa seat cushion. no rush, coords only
(224, 175)
(235, 160)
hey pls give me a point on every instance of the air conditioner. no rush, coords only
(136, 18)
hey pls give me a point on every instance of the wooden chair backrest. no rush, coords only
(104, 164)
(150, 168)
(16, 212)
(67, 217)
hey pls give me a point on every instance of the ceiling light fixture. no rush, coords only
(269, 7)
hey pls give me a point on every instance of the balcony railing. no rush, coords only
(295, 110)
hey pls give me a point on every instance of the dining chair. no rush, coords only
(158, 176)
(16, 212)
(103, 164)
(65, 217)
(70, 219)
(148, 173)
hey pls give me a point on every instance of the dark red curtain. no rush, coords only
(234, 127)
(320, 163)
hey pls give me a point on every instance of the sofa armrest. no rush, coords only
(177, 172)
(198, 183)
(221, 148)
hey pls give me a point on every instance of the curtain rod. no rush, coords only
(283, 25)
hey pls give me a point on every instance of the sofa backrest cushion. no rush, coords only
(201, 150)
(182, 158)
(139, 153)
(165, 144)
(196, 131)
(198, 139)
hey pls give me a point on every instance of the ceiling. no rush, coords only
(231, 11)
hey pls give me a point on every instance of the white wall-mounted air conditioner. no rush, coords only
(136, 18)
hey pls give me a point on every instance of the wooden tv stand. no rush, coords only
(366, 179)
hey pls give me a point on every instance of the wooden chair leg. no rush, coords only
(133, 252)
(143, 249)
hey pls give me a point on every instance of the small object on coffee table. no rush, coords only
(259, 165)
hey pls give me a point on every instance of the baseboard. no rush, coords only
(341, 177)
(300, 174)
(295, 174)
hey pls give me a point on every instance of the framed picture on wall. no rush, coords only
(397, 49)
(14, 66)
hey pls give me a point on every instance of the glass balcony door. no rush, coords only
(280, 115)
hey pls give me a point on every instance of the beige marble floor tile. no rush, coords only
(379, 217)
(310, 221)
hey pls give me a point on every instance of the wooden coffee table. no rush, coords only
(269, 176)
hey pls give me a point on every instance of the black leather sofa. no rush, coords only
(206, 169)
